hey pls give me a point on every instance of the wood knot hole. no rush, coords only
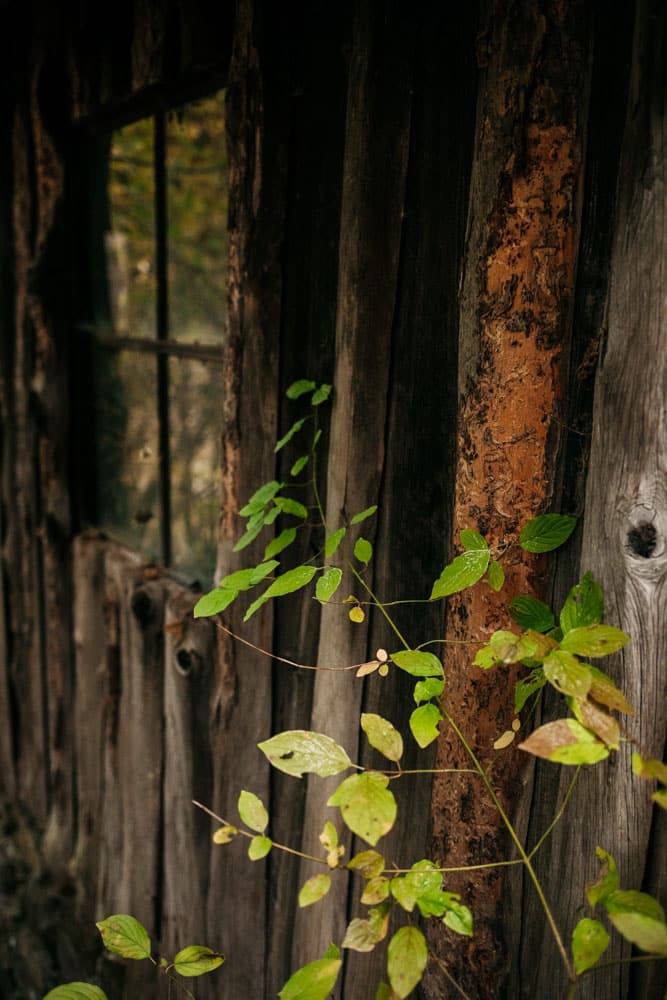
(187, 661)
(142, 607)
(643, 539)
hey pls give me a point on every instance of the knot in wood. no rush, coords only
(187, 661)
(142, 606)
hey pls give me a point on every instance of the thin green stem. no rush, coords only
(572, 989)
(251, 836)
(179, 985)
(513, 834)
(378, 604)
(625, 961)
(458, 868)
(430, 770)
(559, 815)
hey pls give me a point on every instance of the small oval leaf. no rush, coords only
(252, 812)
(462, 572)
(547, 532)
(589, 942)
(424, 724)
(298, 752)
(196, 960)
(383, 736)
(76, 991)
(259, 847)
(314, 889)
(328, 584)
(363, 550)
(407, 956)
(125, 936)
(418, 663)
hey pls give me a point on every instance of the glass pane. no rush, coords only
(130, 242)
(127, 449)
(194, 425)
(197, 182)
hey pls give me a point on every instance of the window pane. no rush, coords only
(130, 241)
(194, 424)
(197, 180)
(127, 449)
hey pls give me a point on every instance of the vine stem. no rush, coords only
(378, 604)
(250, 836)
(524, 856)
(559, 815)
(447, 974)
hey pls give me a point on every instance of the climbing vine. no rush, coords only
(555, 650)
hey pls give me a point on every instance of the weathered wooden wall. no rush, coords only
(352, 146)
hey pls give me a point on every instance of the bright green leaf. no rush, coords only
(252, 812)
(432, 687)
(423, 881)
(259, 847)
(546, 532)
(366, 804)
(418, 663)
(300, 388)
(281, 542)
(363, 550)
(259, 499)
(214, 602)
(364, 514)
(196, 960)
(639, 918)
(125, 936)
(314, 889)
(567, 674)
(294, 429)
(424, 724)
(459, 919)
(314, 981)
(287, 583)
(584, 605)
(76, 991)
(328, 584)
(594, 640)
(369, 864)
(321, 394)
(485, 658)
(565, 741)
(528, 612)
(298, 752)
(299, 465)
(407, 956)
(527, 686)
(589, 942)
(496, 576)
(288, 506)
(383, 736)
(333, 541)
(244, 579)
(250, 536)
(607, 881)
(462, 572)
(473, 541)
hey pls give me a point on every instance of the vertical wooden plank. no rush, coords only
(376, 153)
(626, 518)
(188, 674)
(517, 295)
(310, 272)
(241, 702)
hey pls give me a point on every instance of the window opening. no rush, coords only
(159, 335)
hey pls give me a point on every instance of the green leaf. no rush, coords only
(473, 541)
(245, 579)
(328, 584)
(333, 541)
(321, 394)
(423, 880)
(358, 518)
(329, 836)
(382, 735)
(546, 532)
(527, 687)
(287, 583)
(463, 572)
(259, 847)
(280, 543)
(125, 936)
(314, 981)
(376, 891)
(567, 674)
(384, 992)
(76, 991)
(300, 388)
(250, 536)
(363, 550)
(424, 724)
(196, 960)
(496, 576)
(407, 956)
(294, 429)
(252, 812)
(589, 942)
(639, 918)
(259, 499)
(459, 919)
(432, 687)
(298, 752)
(314, 889)
(645, 768)
(607, 881)
(565, 742)
(594, 640)
(367, 806)
(584, 605)
(287, 506)
(418, 663)
(214, 602)
(528, 612)
(299, 465)
(660, 798)
(507, 647)
(485, 658)
(369, 864)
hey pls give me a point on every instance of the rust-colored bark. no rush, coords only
(516, 303)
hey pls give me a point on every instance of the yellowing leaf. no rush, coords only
(298, 752)
(76, 991)
(125, 936)
(567, 674)
(407, 956)
(367, 806)
(607, 881)
(357, 615)
(594, 640)
(565, 742)
(314, 889)
(314, 981)
(383, 736)
(197, 960)
(369, 864)
(259, 847)
(224, 834)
